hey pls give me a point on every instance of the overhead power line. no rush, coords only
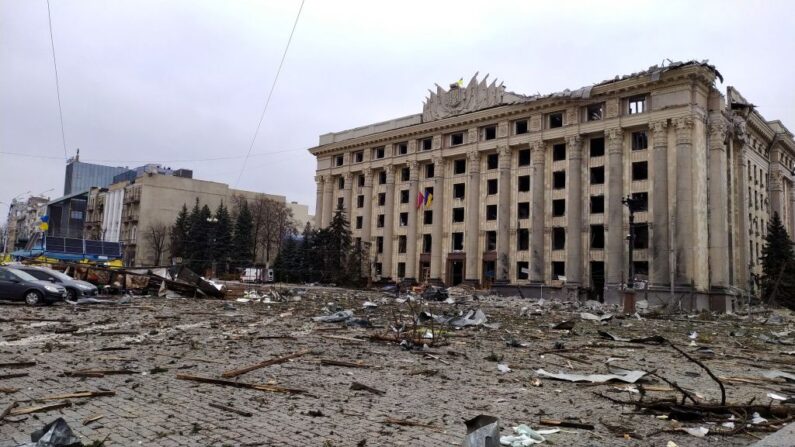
(270, 93)
(186, 160)
(57, 82)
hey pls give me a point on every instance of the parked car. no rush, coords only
(18, 285)
(75, 288)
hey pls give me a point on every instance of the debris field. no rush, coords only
(334, 367)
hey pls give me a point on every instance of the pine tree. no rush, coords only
(339, 247)
(179, 234)
(778, 265)
(192, 242)
(242, 240)
(223, 238)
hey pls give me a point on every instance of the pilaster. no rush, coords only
(473, 217)
(718, 204)
(367, 215)
(574, 206)
(660, 243)
(318, 200)
(503, 214)
(346, 196)
(328, 194)
(615, 210)
(389, 222)
(438, 219)
(538, 188)
(411, 238)
(683, 209)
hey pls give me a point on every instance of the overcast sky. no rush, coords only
(180, 82)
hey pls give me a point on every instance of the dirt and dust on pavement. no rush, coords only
(302, 365)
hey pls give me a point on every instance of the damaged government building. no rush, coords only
(487, 186)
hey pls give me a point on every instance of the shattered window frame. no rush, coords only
(457, 241)
(520, 127)
(358, 156)
(427, 243)
(640, 140)
(381, 199)
(379, 152)
(459, 190)
(491, 241)
(559, 179)
(597, 237)
(339, 160)
(403, 219)
(492, 161)
(597, 204)
(426, 143)
(404, 196)
(523, 157)
(523, 183)
(429, 170)
(402, 243)
(359, 222)
(597, 175)
(558, 238)
(523, 210)
(522, 265)
(559, 152)
(460, 166)
(522, 239)
(456, 139)
(458, 215)
(555, 120)
(402, 148)
(489, 132)
(491, 212)
(636, 104)
(640, 170)
(427, 217)
(558, 270)
(558, 207)
(380, 221)
(595, 112)
(596, 147)
(492, 187)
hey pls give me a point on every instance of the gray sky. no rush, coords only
(154, 81)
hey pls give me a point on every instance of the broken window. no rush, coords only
(401, 269)
(382, 177)
(491, 240)
(458, 241)
(522, 270)
(491, 186)
(636, 104)
(598, 175)
(426, 243)
(640, 170)
(428, 191)
(641, 236)
(403, 148)
(597, 146)
(555, 120)
(641, 268)
(379, 221)
(522, 239)
(594, 112)
(341, 182)
(361, 180)
(523, 182)
(404, 196)
(378, 152)
(559, 152)
(523, 210)
(558, 207)
(379, 244)
(404, 219)
(340, 202)
(597, 237)
(360, 201)
(492, 161)
(378, 268)
(459, 190)
(558, 238)
(641, 201)
(426, 143)
(427, 217)
(559, 179)
(381, 198)
(402, 244)
(405, 174)
(429, 170)
(458, 215)
(558, 269)
(491, 212)
(640, 140)
(597, 204)
(456, 138)
(520, 127)
(358, 157)
(460, 166)
(490, 133)
(359, 222)
(524, 157)
(340, 160)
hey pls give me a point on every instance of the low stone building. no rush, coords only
(492, 187)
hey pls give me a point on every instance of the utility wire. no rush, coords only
(186, 160)
(270, 93)
(57, 83)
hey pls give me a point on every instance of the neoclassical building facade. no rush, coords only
(496, 188)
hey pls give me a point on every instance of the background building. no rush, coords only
(526, 191)
(82, 176)
(23, 220)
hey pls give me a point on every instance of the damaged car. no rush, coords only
(17, 285)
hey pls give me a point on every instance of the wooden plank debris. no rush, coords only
(91, 419)
(567, 424)
(40, 409)
(7, 410)
(8, 390)
(231, 409)
(356, 386)
(252, 386)
(330, 362)
(79, 394)
(98, 372)
(12, 375)
(17, 364)
(273, 361)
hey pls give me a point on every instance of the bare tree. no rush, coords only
(273, 222)
(157, 236)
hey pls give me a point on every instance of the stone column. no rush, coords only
(615, 209)
(346, 196)
(741, 149)
(473, 218)
(776, 186)
(683, 210)
(539, 206)
(367, 217)
(318, 201)
(389, 222)
(718, 205)
(574, 207)
(411, 237)
(328, 194)
(438, 219)
(504, 216)
(792, 211)
(660, 248)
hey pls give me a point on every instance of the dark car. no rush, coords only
(75, 288)
(18, 285)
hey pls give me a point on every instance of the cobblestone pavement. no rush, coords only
(154, 340)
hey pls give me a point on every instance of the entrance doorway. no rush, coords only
(597, 281)
(489, 270)
(455, 272)
(425, 272)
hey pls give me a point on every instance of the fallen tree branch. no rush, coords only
(704, 367)
(274, 361)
